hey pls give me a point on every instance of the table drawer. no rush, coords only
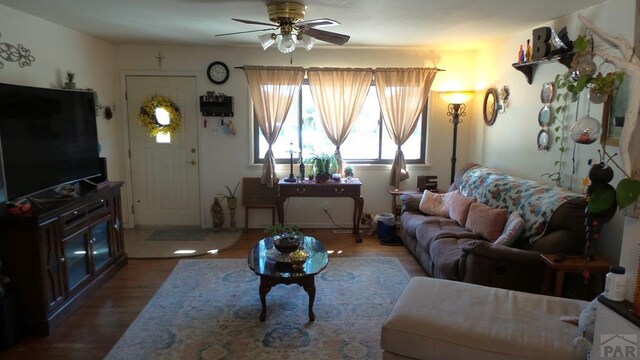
(299, 190)
(340, 190)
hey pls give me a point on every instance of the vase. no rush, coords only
(70, 85)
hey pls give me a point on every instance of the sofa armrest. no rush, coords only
(485, 263)
(501, 253)
(410, 202)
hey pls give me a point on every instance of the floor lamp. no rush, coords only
(457, 110)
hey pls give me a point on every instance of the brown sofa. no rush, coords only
(447, 250)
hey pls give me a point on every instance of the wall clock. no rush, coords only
(218, 72)
(490, 106)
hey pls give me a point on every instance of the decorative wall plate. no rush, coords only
(545, 116)
(543, 140)
(490, 106)
(547, 93)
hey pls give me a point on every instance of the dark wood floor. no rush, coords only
(100, 322)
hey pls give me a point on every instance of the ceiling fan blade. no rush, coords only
(254, 22)
(317, 23)
(248, 31)
(328, 36)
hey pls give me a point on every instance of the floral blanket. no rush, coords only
(533, 201)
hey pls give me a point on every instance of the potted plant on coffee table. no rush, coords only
(286, 238)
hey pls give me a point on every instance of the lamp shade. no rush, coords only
(456, 97)
(267, 40)
(306, 41)
(287, 43)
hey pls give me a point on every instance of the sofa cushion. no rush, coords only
(512, 230)
(486, 221)
(434, 204)
(440, 319)
(459, 207)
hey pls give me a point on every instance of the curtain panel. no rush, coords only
(272, 91)
(402, 94)
(339, 95)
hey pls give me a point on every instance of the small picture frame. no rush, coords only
(613, 115)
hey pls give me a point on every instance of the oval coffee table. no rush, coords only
(263, 261)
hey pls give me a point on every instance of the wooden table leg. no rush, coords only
(265, 287)
(559, 283)
(280, 208)
(358, 205)
(310, 289)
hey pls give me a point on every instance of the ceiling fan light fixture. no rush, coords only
(287, 43)
(267, 40)
(306, 41)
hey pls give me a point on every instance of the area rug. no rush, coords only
(209, 309)
(179, 234)
(156, 242)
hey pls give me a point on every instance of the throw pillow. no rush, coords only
(512, 230)
(435, 204)
(459, 208)
(486, 221)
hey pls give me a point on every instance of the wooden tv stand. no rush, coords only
(60, 251)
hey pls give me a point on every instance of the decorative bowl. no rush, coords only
(286, 245)
(298, 258)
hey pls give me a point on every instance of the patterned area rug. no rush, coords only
(179, 234)
(143, 242)
(209, 309)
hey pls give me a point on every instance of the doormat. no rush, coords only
(179, 234)
(209, 309)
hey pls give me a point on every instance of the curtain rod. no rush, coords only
(305, 69)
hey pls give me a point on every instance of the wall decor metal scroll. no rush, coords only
(15, 53)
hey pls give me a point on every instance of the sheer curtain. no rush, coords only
(272, 90)
(339, 95)
(402, 94)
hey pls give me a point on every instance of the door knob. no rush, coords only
(192, 162)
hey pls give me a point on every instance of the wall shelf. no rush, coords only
(527, 67)
(222, 106)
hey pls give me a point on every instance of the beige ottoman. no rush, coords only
(441, 319)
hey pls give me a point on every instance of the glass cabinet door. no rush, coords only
(76, 259)
(101, 250)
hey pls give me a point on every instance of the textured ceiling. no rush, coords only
(370, 23)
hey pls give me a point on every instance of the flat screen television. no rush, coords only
(48, 138)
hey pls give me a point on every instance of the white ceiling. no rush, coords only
(370, 23)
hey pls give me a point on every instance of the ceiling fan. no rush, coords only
(288, 17)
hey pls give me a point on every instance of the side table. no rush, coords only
(571, 264)
(394, 203)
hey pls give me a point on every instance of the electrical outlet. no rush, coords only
(325, 206)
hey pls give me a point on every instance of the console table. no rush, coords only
(308, 188)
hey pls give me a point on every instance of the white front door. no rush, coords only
(164, 175)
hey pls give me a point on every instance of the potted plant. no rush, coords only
(230, 197)
(603, 86)
(69, 84)
(323, 165)
(286, 238)
(348, 171)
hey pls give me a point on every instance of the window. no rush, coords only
(367, 143)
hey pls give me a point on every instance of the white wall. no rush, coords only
(510, 144)
(226, 159)
(57, 50)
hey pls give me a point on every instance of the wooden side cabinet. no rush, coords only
(57, 254)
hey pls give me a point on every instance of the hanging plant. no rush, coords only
(147, 116)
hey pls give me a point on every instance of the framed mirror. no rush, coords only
(490, 106)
